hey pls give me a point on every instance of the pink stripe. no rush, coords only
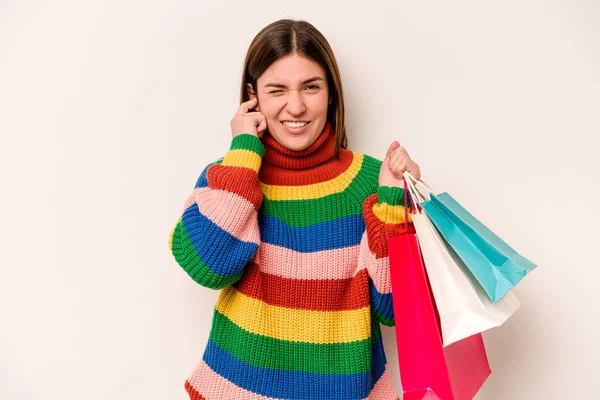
(384, 388)
(379, 268)
(229, 211)
(211, 385)
(341, 263)
(345, 263)
(327, 264)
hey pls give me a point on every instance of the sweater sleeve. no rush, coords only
(384, 217)
(217, 234)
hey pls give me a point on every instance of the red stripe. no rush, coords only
(271, 175)
(378, 231)
(194, 395)
(239, 180)
(307, 294)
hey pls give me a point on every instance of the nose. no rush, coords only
(295, 103)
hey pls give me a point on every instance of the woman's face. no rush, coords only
(293, 96)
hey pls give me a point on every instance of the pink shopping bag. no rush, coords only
(423, 370)
(427, 369)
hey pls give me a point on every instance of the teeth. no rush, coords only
(294, 124)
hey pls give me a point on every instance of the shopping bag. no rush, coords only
(466, 359)
(462, 304)
(423, 370)
(496, 266)
(427, 369)
(468, 366)
(424, 363)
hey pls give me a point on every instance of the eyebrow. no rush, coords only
(280, 85)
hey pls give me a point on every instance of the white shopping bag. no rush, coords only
(464, 307)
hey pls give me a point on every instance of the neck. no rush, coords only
(319, 152)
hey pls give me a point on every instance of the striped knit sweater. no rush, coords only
(296, 242)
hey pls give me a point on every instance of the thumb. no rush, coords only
(262, 125)
(391, 149)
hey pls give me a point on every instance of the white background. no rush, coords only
(110, 110)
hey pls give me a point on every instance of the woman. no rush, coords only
(292, 227)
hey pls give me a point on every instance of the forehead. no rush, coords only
(291, 69)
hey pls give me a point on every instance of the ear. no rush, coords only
(252, 94)
(330, 100)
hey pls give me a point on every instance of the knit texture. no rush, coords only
(297, 244)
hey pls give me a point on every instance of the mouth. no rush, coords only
(295, 127)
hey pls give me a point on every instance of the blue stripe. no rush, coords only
(222, 252)
(378, 359)
(336, 234)
(293, 384)
(202, 181)
(381, 302)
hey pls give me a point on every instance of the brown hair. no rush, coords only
(286, 37)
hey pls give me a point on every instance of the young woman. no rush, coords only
(292, 227)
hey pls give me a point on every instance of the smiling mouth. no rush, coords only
(295, 125)
(296, 130)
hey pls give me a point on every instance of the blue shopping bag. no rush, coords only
(495, 265)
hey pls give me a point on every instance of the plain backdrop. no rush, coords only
(109, 110)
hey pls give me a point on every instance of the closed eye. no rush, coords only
(311, 87)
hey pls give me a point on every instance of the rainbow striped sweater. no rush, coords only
(297, 244)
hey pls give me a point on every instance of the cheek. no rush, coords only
(319, 103)
(271, 107)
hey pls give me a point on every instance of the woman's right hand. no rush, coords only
(253, 122)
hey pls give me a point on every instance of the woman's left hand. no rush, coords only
(395, 163)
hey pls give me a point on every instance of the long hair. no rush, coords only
(286, 37)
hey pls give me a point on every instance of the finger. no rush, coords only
(414, 170)
(392, 147)
(386, 159)
(247, 105)
(398, 167)
(394, 165)
(255, 116)
(398, 156)
(258, 118)
(262, 125)
(400, 151)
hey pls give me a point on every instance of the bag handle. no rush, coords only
(405, 206)
(414, 194)
(416, 181)
(413, 188)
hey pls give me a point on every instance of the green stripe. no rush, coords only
(378, 317)
(247, 141)
(301, 213)
(392, 195)
(334, 358)
(184, 252)
(375, 328)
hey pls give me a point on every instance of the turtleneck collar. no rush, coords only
(319, 152)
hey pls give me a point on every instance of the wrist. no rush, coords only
(246, 151)
(392, 195)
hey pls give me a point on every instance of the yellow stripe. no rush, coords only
(172, 233)
(390, 214)
(284, 323)
(242, 158)
(316, 190)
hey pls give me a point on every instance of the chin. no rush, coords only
(295, 142)
(298, 148)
